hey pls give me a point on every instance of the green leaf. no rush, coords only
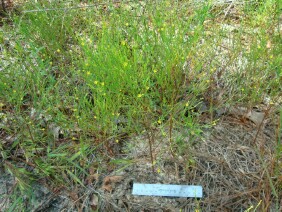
(75, 178)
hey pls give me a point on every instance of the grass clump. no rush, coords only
(74, 80)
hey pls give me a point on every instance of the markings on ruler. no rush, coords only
(167, 190)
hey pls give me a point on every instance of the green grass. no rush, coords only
(103, 75)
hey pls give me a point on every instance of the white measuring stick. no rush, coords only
(167, 190)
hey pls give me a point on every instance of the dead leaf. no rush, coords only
(91, 178)
(256, 117)
(73, 195)
(253, 115)
(94, 200)
(109, 182)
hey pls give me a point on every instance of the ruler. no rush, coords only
(167, 190)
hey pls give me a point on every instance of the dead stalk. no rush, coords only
(151, 141)
(170, 135)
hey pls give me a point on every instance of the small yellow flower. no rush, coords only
(102, 83)
(242, 89)
(125, 64)
(147, 88)
(95, 82)
(117, 140)
(73, 138)
(82, 44)
(1, 104)
(159, 121)
(271, 56)
(187, 104)
(162, 29)
(159, 170)
(88, 73)
(155, 71)
(14, 91)
(58, 50)
(89, 41)
(139, 95)
(95, 117)
(126, 24)
(123, 43)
